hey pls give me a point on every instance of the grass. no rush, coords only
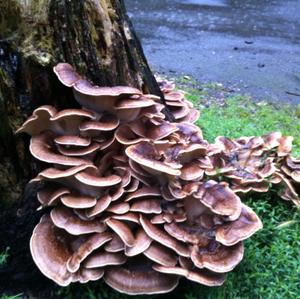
(239, 116)
(271, 266)
(19, 296)
(3, 257)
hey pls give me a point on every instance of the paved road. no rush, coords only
(252, 45)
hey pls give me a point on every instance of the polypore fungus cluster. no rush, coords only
(254, 163)
(135, 198)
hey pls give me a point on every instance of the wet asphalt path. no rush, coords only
(251, 45)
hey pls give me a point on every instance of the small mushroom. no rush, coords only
(103, 259)
(115, 245)
(220, 199)
(122, 230)
(163, 238)
(101, 205)
(218, 258)
(50, 251)
(145, 191)
(204, 277)
(147, 206)
(139, 282)
(41, 147)
(64, 218)
(235, 231)
(50, 195)
(76, 201)
(142, 243)
(85, 275)
(147, 156)
(47, 118)
(161, 255)
(92, 243)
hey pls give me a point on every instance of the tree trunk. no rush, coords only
(97, 38)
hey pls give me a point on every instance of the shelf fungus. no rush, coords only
(136, 199)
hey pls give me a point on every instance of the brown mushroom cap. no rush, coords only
(295, 175)
(153, 131)
(38, 121)
(134, 282)
(96, 181)
(119, 208)
(141, 102)
(78, 152)
(101, 99)
(191, 117)
(142, 242)
(78, 201)
(204, 277)
(92, 243)
(72, 140)
(49, 195)
(86, 88)
(46, 118)
(101, 205)
(143, 154)
(161, 255)
(245, 226)
(64, 218)
(54, 174)
(256, 187)
(67, 178)
(40, 148)
(106, 123)
(147, 206)
(285, 146)
(220, 199)
(145, 191)
(50, 251)
(102, 259)
(186, 235)
(131, 217)
(163, 238)
(122, 230)
(218, 258)
(66, 74)
(115, 245)
(125, 136)
(85, 275)
(191, 171)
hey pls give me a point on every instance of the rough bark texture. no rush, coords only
(97, 38)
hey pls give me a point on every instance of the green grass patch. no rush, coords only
(4, 256)
(240, 116)
(19, 296)
(271, 266)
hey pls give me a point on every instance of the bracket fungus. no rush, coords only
(136, 199)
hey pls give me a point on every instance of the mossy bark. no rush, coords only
(97, 38)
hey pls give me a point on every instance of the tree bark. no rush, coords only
(97, 38)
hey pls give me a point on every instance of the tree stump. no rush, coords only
(97, 38)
